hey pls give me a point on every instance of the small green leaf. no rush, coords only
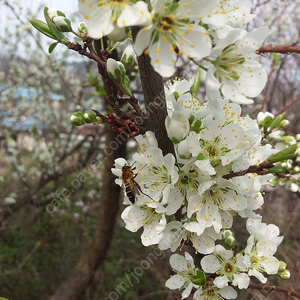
(267, 122)
(284, 154)
(275, 169)
(199, 278)
(52, 47)
(42, 27)
(200, 156)
(195, 87)
(277, 121)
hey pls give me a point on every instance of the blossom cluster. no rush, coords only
(209, 30)
(193, 197)
(234, 269)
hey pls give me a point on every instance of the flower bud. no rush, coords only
(115, 69)
(297, 137)
(296, 169)
(273, 182)
(55, 13)
(183, 150)
(293, 187)
(282, 266)
(230, 241)
(282, 182)
(289, 140)
(284, 123)
(226, 234)
(77, 118)
(177, 127)
(128, 57)
(90, 116)
(285, 274)
(62, 24)
(82, 28)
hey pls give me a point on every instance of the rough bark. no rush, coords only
(155, 101)
(91, 259)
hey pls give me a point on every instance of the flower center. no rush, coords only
(188, 181)
(227, 64)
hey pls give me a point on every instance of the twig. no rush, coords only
(283, 49)
(287, 106)
(274, 288)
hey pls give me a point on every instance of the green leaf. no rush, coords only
(199, 278)
(275, 169)
(282, 155)
(52, 47)
(277, 121)
(195, 87)
(42, 27)
(267, 122)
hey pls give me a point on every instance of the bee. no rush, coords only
(132, 188)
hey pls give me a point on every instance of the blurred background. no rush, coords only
(50, 191)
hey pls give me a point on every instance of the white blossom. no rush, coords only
(235, 70)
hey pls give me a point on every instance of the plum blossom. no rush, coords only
(171, 28)
(102, 17)
(234, 70)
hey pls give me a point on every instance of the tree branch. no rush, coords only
(155, 101)
(274, 288)
(287, 106)
(283, 49)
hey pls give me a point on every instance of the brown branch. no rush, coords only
(155, 101)
(287, 106)
(260, 169)
(274, 288)
(283, 49)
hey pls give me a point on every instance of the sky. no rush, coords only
(8, 19)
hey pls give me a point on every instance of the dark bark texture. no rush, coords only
(155, 101)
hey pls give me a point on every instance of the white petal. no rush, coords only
(175, 282)
(143, 39)
(241, 280)
(221, 281)
(228, 292)
(134, 14)
(178, 262)
(210, 264)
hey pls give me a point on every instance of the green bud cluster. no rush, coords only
(283, 272)
(286, 170)
(89, 116)
(56, 24)
(228, 239)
